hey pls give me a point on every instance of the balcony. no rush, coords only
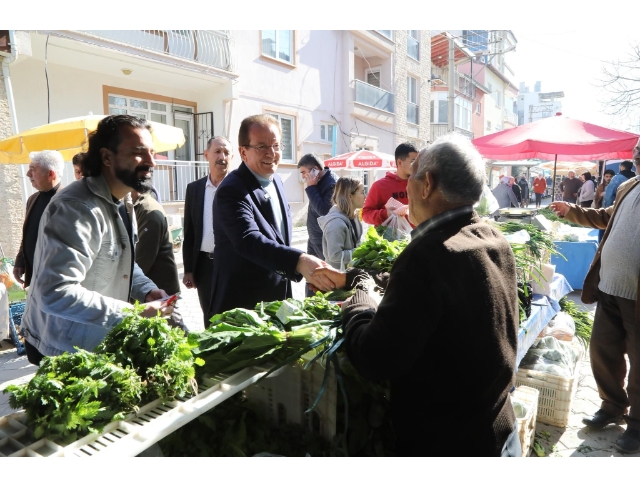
(210, 48)
(438, 129)
(170, 177)
(510, 117)
(413, 113)
(374, 97)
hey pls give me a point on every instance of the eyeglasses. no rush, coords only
(265, 148)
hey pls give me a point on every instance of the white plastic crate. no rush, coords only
(556, 393)
(285, 398)
(133, 435)
(527, 424)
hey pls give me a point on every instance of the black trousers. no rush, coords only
(203, 274)
(33, 355)
(616, 332)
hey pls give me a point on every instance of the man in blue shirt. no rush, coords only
(618, 179)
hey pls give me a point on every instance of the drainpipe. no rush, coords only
(12, 57)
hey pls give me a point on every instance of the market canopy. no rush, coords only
(558, 137)
(362, 160)
(563, 167)
(69, 136)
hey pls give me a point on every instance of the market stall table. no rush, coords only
(543, 309)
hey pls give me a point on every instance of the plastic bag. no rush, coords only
(562, 327)
(396, 228)
(487, 204)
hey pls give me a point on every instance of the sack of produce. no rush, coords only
(395, 228)
(551, 356)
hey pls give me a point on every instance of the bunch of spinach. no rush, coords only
(240, 337)
(74, 394)
(160, 354)
(376, 253)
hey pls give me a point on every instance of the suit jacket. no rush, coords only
(193, 210)
(20, 261)
(253, 261)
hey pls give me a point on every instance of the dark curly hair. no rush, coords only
(108, 135)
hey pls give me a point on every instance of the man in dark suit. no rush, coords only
(198, 245)
(253, 227)
(45, 173)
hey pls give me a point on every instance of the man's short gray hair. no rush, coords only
(49, 160)
(457, 167)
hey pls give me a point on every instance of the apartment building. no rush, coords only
(331, 91)
(535, 105)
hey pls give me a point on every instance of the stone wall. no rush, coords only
(11, 207)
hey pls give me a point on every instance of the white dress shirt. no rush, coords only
(208, 242)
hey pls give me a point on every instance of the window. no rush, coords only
(326, 132)
(431, 112)
(287, 124)
(278, 44)
(476, 40)
(413, 44)
(497, 96)
(488, 124)
(463, 114)
(412, 100)
(373, 76)
(387, 33)
(478, 108)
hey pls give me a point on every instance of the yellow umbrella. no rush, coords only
(69, 136)
(563, 167)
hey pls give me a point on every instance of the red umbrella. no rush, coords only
(557, 137)
(362, 159)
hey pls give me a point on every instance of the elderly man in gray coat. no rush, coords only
(504, 194)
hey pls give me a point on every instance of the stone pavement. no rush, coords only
(576, 439)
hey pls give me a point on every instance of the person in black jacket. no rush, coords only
(198, 245)
(450, 305)
(319, 184)
(254, 260)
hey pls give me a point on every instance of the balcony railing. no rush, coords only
(510, 117)
(438, 129)
(412, 113)
(375, 97)
(208, 47)
(170, 178)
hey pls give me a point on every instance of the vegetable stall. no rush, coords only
(272, 380)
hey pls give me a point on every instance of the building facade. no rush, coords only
(535, 105)
(366, 89)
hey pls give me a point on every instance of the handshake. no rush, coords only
(397, 208)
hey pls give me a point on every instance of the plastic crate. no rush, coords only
(16, 310)
(556, 393)
(527, 425)
(285, 398)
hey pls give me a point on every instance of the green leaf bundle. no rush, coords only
(74, 394)
(160, 354)
(376, 253)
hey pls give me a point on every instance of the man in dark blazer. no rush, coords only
(198, 245)
(253, 227)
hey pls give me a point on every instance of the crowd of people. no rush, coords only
(92, 248)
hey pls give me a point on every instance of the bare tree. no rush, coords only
(621, 82)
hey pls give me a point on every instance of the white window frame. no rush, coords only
(413, 100)
(488, 124)
(479, 108)
(328, 132)
(279, 117)
(462, 107)
(277, 47)
(417, 39)
(373, 70)
(169, 113)
(382, 33)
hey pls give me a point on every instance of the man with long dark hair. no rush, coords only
(84, 263)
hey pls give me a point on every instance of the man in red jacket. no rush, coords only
(393, 185)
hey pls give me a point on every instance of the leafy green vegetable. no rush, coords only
(550, 215)
(582, 319)
(159, 353)
(74, 394)
(538, 448)
(376, 253)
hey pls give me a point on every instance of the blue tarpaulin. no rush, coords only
(579, 256)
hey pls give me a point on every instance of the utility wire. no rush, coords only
(46, 74)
